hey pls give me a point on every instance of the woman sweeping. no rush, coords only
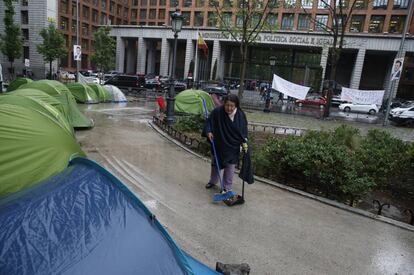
(227, 127)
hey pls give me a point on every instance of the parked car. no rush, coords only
(402, 115)
(312, 101)
(127, 82)
(336, 100)
(371, 109)
(216, 90)
(154, 84)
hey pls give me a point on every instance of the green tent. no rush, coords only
(15, 84)
(33, 147)
(62, 93)
(83, 93)
(39, 94)
(189, 101)
(101, 92)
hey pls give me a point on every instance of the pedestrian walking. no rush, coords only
(280, 98)
(227, 126)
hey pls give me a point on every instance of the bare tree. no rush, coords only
(251, 19)
(340, 12)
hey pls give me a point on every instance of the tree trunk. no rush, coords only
(11, 71)
(244, 47)
(50, 70)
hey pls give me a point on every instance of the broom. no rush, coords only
(219, 196)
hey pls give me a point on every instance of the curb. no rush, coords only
(323, 200)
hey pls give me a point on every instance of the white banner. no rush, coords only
(288, 88)
(362, 96)
(77, 52)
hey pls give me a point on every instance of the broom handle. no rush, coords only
(213, 145)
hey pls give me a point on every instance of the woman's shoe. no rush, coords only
(210, 185)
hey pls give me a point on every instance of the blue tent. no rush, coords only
(85, 221)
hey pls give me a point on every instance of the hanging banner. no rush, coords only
(362, 96)
(77, 52)
(288, 88)
(397, 68)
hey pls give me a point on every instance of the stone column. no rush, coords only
(165, 55)
(131, 56)
(141, 56)
(357, 71)
(120, 54)
(151, 48)
(189, 55)
(324, 62)
(215, 57)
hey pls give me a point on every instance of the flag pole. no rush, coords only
(196, 61)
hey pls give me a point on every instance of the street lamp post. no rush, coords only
(272, 61)
(176, 24)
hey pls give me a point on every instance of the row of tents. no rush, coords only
(61, 213)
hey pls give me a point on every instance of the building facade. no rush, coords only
(298, 43)
(34, 15)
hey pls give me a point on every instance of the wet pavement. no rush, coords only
(275, 231)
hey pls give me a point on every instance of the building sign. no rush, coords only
(27, 62)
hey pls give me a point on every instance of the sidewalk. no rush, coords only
(276, 232)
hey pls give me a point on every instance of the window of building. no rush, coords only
(323, 4)
(134, 14)
(152, 14)
(287, 21)
(211, 19)
(304, 22)
(103, 20)
(143, 3)
(112, 7)
(187, 3)
(376, 24)
(73, 25)
(226, 19)
(255, 21)
(199, 3)
(307, 4)
(361, 4)
(24, 17)
(153, 2)
(111, 20)
(125, 13)
(135, 2)
(64, 23)
(321, 21)
(173, 3)
(401, 4)
(198, 19)
(160, 24)
(142, 14)
(357, 23)
(380, 4)
(161, 14)
(25, 34)
(26, 52)
(85, 45)
(119, 10)
(239, 21)
(341, 3)
(95, 16)
(85, 12)
(341, 20)
(103, 4)
(290, 4)
(396, 24)
(162, 2)
(85, 29)
(272, 21)
(73, 40)
(25, 3)
(186, 18)
(64, 6)
(95, 3)
(119, 21)
(66, 37)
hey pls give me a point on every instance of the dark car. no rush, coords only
(154, 84)
(127, 82)
(216, 90)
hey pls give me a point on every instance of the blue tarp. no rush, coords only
(85, 221)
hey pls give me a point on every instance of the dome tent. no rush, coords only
(189, 101)
(61, 92)
(83, 93)
(102, 94)
(15, 84)
(33, 145)
(116, 94)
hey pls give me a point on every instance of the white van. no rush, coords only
(403, 115)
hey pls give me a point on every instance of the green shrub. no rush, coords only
(190, 123)
(384, 158)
